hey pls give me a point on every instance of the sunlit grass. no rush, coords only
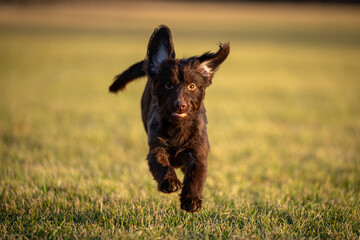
(283, 115)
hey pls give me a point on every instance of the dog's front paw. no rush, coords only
(169, 185)
(190, 204)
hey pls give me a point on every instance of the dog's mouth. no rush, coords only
(179, 115)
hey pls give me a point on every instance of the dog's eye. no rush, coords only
(169, 85)
(192, 86)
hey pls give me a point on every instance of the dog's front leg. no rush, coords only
(163, 173)
(194, 179)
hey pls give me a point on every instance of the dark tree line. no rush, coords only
(245, 1)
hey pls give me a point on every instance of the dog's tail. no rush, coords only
(130, 74)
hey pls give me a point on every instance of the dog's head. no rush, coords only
(179, 84)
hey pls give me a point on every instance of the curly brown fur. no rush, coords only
(173, 114)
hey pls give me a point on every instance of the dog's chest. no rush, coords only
(180, 137)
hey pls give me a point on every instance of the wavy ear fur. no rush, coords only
(210, 62)
(160, 48)
(133, 72)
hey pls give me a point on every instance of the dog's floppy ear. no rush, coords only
(160, 48)
(210, 62)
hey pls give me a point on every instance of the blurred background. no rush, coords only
(283, 109)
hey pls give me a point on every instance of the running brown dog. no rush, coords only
(173, 114)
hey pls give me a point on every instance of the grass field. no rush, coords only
(283, 111)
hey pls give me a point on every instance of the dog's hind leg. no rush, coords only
(163, 173)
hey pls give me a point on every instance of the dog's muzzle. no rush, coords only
(179, 115)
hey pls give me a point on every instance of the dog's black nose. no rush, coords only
(180, 104)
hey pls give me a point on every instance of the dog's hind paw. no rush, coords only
(191, 204)
(169, 185)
